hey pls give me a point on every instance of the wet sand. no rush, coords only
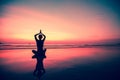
(63, 64)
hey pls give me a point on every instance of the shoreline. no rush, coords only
(14, 47)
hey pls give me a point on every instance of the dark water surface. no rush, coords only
(63, 64)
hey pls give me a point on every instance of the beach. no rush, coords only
(101, 63)
(82, 38)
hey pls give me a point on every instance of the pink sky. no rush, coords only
(68, 23)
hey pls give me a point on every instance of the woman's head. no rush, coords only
(40, 37)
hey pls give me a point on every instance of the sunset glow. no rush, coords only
(73, 22)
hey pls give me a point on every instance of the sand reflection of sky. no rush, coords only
(16, 60)
(21, 61)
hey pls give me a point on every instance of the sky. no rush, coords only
(59, 20)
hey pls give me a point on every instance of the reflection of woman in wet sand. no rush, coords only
(39, 55)
(39, 70)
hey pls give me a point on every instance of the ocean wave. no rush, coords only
(50, 46)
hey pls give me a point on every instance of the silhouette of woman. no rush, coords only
(40, 40)
(39, 55)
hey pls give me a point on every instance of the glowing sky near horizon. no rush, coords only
(59, 21)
